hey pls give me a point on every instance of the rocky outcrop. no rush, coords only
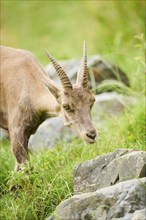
(109, 169)
(49, 133)
(112, 103)
(109, 187)
(123, 201)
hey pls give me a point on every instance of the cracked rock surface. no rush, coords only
(109, 187)
(123, 201)
(109, 169)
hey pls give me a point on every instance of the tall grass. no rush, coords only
(111, 28)
(47, 179)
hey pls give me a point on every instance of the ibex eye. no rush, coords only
(93, 100)
(66, 106)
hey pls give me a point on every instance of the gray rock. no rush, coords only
(49, 133)
(99, 69)
(123, 201)
(109, 169)
(4, 134)
(112, 103)
(137, 215)
(129, 166)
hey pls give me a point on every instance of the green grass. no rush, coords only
(114, 30)
(48, 178)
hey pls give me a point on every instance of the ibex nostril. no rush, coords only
(92, 136)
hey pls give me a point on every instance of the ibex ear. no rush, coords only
(52, 86)
(54, 90)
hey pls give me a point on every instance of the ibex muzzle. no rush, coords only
(28, 97)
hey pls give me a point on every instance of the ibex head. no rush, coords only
(76, 100)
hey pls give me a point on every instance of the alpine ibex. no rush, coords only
(28, 97)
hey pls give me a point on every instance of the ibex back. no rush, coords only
(28, 97)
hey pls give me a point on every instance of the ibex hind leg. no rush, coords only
(19, 141)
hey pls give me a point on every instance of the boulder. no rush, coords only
(49, 133)
(123, 201)
(4, 135)
(99, 70)
(109, 169)
(137, 215)
(112, 104)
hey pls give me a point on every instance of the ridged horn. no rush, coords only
(60, 72)
(82, 77)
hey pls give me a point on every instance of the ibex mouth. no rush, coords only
(90, 141)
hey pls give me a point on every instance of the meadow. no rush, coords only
(113, 29)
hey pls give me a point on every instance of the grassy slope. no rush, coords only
(51, 179)
(109, 29)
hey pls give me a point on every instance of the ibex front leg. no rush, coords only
(19, 141)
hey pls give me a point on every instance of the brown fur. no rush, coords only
(28, 97)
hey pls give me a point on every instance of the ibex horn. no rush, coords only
(61, 73)
(82, 77)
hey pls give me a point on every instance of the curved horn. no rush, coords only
(82, 77)
(61, 73)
